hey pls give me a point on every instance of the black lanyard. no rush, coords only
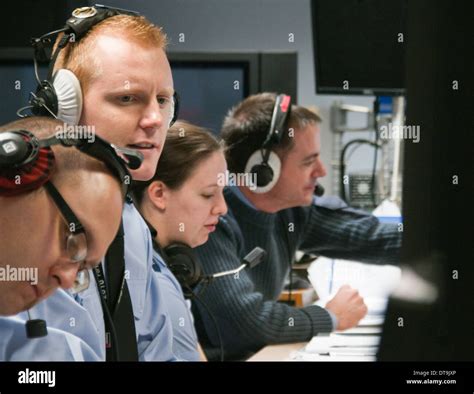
(102, 287)
(116, 303)
(100, 279)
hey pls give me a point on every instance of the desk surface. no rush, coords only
(277, 352)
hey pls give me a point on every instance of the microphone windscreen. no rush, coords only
(319, 190)
(36, 328)
(256, 256)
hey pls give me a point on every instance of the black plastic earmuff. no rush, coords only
(184, 264)
(176, 101)
(264, 165)
(24, 165)
(17, 148)
(264, 173)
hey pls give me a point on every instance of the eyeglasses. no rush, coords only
(76, 241)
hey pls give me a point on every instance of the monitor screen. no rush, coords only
(359, 46)
(208, 90)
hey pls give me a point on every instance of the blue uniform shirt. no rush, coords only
(185, 340)
(152, 321)
(56, 346)
(73, 336)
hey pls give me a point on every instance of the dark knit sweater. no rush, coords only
(245, 306)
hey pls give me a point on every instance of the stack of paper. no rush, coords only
(361, 329)
(344, 344)
(375, 283)
(304, 356)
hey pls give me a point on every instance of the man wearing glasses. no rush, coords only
(53, 232)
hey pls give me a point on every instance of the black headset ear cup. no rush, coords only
(15, 149)
(183, 263)
(45, 98)
(24, 166)
(264, 164)
(264, 174)
(60, 98)
(175, 115)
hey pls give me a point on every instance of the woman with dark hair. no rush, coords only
(183, 202)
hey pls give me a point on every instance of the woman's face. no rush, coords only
(192, 212)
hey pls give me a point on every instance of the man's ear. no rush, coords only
(158, 194)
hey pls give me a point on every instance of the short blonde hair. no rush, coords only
(76, 56)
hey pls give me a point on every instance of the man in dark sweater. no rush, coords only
(281, 217)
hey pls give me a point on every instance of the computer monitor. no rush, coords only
(207, 91)
(431, 318)
(359, 46)
(210, 84)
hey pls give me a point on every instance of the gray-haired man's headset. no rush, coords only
(60, 95)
